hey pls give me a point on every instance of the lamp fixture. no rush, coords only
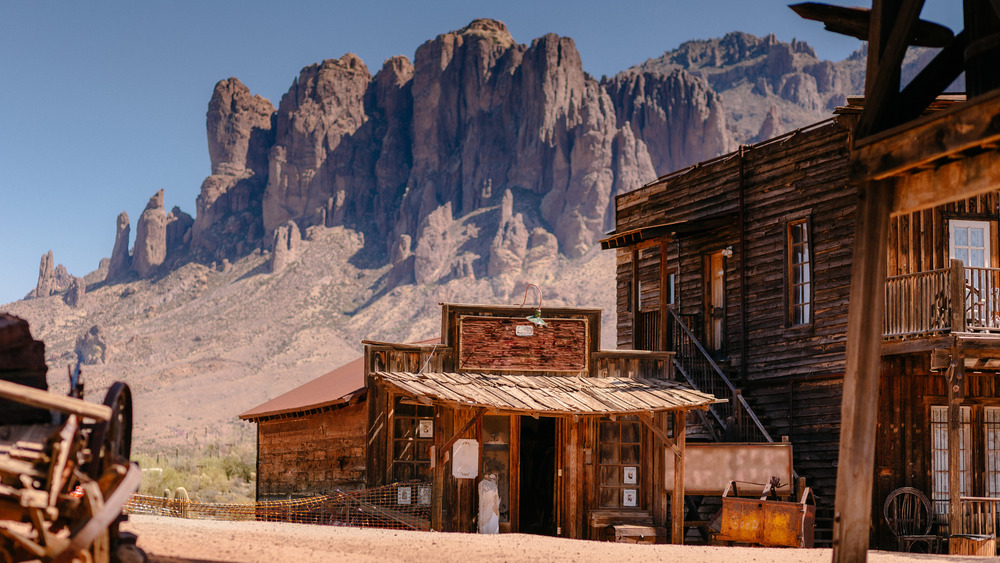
(536, 317)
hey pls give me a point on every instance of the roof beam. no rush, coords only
(892, 24)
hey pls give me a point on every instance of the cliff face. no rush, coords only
(474, 116)
(480, 157)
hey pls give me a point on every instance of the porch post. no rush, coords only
(859, 409)
(956, 393)
(677, 500)
(957, 282)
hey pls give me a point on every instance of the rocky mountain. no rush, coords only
(362, 201)
(768, 87)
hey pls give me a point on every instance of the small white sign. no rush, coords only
(524, 330)
(465, 459)
(629, 497)
(403, 495)
(424, 495)
(425, 429)
(629, 475)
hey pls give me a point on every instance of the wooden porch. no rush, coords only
(952, 300)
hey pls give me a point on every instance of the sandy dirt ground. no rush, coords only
(175, 540)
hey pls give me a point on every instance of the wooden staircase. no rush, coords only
(734, 421)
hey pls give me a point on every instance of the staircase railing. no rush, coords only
(735, 418)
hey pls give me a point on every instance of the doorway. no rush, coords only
(537, 476)
(715, 303)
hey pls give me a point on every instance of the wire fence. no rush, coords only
(400, 506)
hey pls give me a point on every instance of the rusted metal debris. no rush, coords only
(770, 523)
(64, 476)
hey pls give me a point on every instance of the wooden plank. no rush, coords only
(859, 410)
(933, 137)
(968, 176)
(38, 398)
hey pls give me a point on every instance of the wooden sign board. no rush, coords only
(515, 344)
(708, 468)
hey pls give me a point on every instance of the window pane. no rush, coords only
(630, 432)
(962, 236)
(403, 450)
(962, 254)
(797, 233)
(976, 237)
(609, 453)
(403, 427)
(609, 497)
(610, 476)
(630, 454)
(976, 258)
(609, 431)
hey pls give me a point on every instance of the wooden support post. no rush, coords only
(859, 410)
(956, 279)
(956, 394)
(677, 500)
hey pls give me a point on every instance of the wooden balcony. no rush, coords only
(956, 299)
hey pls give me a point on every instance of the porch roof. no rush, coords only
(551, 395)
(635, 236)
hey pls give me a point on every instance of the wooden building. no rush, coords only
(577, 439)
(311, 440)
(742, 265)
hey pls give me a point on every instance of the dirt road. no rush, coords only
(175, 540)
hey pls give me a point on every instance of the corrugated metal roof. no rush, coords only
(550, 395)
(335, 387)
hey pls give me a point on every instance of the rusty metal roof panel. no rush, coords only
(337, 386)
(550, 395)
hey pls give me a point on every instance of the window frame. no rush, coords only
(415, 462)
(791, 306)
(938, 427)
(620, 487)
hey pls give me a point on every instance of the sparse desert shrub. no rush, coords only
(206, 473)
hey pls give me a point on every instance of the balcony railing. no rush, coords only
(923, 304)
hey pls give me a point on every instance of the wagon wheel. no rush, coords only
(111, 441)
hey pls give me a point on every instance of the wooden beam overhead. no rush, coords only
(943, 69)
(954, 180)
(921, 142)
(855, 22)
(887, 43)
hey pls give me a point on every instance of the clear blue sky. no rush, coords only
(103, 103)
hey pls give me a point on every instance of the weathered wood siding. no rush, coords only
(918, 241)
(312, 455)
(792, 374)
(907, 390)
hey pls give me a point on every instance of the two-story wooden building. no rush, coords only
(742, 266)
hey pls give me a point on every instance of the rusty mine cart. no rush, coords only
(64, 462)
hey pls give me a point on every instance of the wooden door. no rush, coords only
(715, 303)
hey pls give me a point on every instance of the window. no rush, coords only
(800, 294)
(412, 438)
(992, 431)
(969, 241)
(939, 456)
(620, 462)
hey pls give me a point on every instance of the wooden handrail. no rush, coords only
(738, 405)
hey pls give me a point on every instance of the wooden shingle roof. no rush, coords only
(549, 394)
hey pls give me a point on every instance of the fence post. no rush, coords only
(957, 282)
